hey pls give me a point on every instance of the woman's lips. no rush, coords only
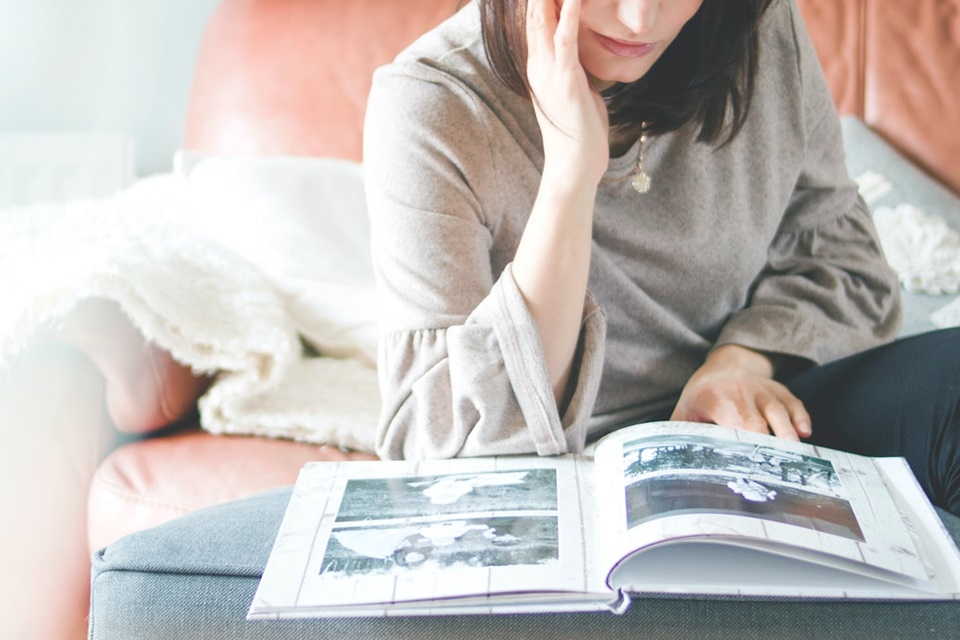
(624, 48)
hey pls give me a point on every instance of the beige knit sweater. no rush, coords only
(763, 242)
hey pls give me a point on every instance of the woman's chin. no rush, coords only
(605, 81)
(599, 85)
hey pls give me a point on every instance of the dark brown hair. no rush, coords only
(708, 70)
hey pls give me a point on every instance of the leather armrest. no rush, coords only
(152, 481)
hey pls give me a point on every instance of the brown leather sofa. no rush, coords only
(290, 77)
(895, 66)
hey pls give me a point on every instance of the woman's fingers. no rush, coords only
(552, 32)
(541, 26)
(755, 404)
(572, 117)
(784, 413)
(798, 414)
(776, 417)
(566, 50)
(773, 409)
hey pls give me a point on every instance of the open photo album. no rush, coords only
(657, 509)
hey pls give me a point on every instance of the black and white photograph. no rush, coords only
(418, 496)
(429, 523)
(649, 456)
(438, 545)
(666, 477)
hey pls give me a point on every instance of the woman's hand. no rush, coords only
(552, 262)
(735, 388)
(571, 114)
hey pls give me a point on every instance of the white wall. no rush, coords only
(101, 65)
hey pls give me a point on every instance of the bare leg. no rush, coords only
(55, 431)
(145, 387)
(58, 406)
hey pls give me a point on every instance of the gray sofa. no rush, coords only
(195, 577)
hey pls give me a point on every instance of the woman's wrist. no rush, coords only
(770, 365)
(735, 356)
(570, 181)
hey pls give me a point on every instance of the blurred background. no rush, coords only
(93, 95)
(116, 67)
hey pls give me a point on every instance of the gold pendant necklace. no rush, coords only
(641, 181)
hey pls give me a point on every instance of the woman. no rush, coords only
(589, 213)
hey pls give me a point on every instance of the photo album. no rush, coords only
(660, 508)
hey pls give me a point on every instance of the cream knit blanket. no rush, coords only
(208, 306)
(922, 249)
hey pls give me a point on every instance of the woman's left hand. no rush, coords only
(735, 388)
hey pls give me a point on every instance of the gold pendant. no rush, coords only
(641, 181)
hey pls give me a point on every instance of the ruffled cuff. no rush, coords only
(525, 364)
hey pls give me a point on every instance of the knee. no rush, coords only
(159, 392)
(144, 387)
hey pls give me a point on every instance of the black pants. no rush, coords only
(901, 399)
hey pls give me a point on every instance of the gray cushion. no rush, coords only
(867, 151)
(195, 578)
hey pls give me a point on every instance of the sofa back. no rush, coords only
(292, 76)
(896, 66)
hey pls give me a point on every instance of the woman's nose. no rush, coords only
(640, 16)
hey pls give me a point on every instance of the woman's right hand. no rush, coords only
(552, 262)
(571, 113)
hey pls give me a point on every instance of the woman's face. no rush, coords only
(621, 39)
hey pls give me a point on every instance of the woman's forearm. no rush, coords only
(551, 268)
(553, 259)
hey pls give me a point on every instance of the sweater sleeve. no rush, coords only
(461, 367)
(827, 289)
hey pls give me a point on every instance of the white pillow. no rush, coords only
(303, 221)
